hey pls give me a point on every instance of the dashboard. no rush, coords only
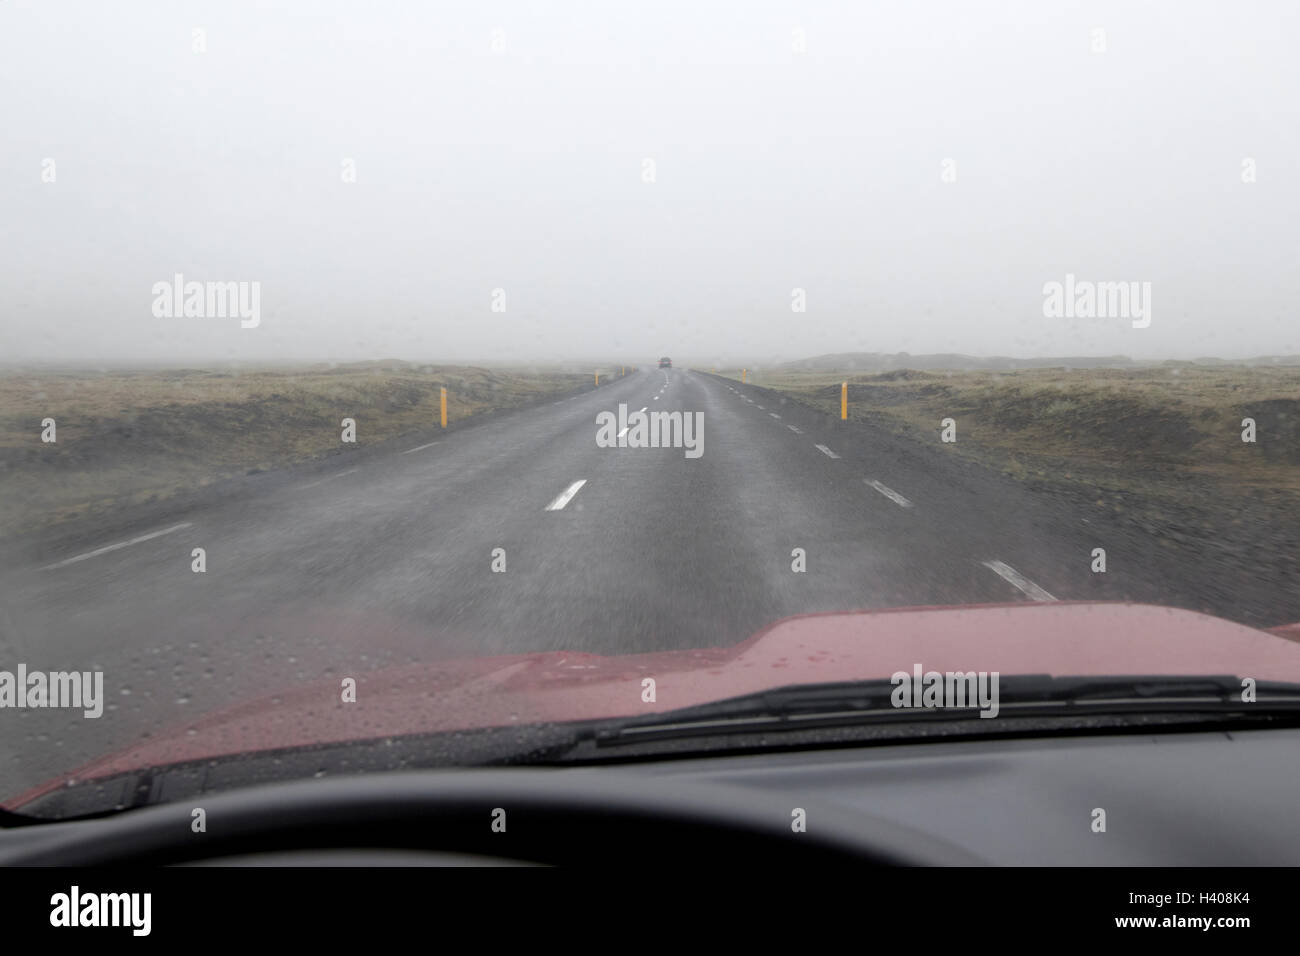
(1170, 799)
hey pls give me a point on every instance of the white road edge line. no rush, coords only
(827, 452)
(889, 493)
(341, 474)
(566, 496)
(1014, 577)
(420, 447)
(114, 547)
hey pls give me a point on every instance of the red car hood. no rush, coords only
(1061, 639)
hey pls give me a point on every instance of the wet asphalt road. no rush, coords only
(387, 560)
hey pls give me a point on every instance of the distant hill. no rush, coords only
(884, 362)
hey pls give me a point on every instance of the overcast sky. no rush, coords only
(522, 168)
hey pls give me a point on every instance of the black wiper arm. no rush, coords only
(1159, 693)
(1028, 695)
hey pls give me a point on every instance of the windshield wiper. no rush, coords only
(191, 779)
(800, 707)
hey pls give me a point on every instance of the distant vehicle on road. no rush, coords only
(665, 362)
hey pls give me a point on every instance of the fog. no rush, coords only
(920, 171)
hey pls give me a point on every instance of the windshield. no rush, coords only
(336, 404)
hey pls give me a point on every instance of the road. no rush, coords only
(388, 560)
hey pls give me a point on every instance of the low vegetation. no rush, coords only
(135, 436)
(1136, 423)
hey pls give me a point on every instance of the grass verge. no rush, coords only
(129, 437)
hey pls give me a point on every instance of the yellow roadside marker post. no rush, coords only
(444, 407)
(742, 375)
(844, 401)
(597, 378)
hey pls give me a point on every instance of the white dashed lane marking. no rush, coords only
(626, 427)
(420, 447)
(1014, 577)
(115, 547)
(889, 493)
(794, 429)
(341, 474)
(566, 495)
(827, 452)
